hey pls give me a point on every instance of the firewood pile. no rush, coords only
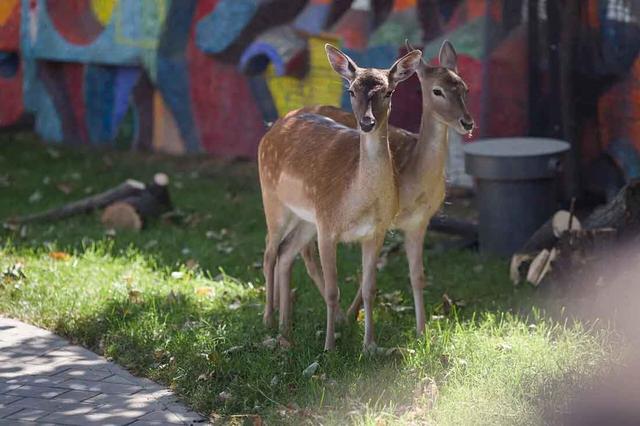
(566, 249)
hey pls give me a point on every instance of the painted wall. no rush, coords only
(206, 75)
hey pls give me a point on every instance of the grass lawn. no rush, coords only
(181, 303)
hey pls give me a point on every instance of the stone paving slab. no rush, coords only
(45, 380)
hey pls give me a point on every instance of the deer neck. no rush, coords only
(430, 153)
(374, 152)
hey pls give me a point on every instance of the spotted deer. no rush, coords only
(420, 163)
(321, 178)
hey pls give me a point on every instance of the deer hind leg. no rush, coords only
(278, 219)
(354, 308)
(414, 248)
(291, 245)
(370, 251)
(314, 270)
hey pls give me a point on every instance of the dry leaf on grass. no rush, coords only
(59, 255)
(205, 291)
(311, 369)
(135, 296)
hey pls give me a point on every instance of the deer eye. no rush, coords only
(351, 93)
(388, 95)
(438, 92)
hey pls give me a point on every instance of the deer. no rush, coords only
(321, 179)
(420, 163)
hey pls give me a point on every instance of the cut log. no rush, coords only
(132, 212)
(86, 205)
(121, 215)
(537, 266)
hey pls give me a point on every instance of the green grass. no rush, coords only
(181, 303)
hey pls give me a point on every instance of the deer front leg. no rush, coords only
(327, 247)
(370, 250)
(314, 270)
(414, 247)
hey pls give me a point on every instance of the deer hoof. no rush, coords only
(268, 320)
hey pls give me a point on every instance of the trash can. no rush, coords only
(517, 182)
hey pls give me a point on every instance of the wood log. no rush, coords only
(545, 238)
(622, 213)
(133, 212)
(86, 205)
(453, 226)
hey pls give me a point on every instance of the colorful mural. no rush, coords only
(185, 76)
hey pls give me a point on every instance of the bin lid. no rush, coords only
(514, 158)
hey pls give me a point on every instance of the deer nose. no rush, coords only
(367, 123)
(466, 124)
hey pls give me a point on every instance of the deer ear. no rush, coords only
(341, 63)
(448, 56)
(405, 67)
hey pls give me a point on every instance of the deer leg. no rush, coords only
(314, 270)
(327, 248)
(295, 241)
(278, 219)
(370, 251)
(354, 308)
(414, 247)
(312, 264)
(268, 266)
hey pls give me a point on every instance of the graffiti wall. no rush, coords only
(207, 75)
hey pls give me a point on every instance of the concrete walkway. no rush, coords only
(46, 380)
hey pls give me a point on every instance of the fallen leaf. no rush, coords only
(225, 396)
(65, 188)
(233, 350)
(135, 296)
(270, 343)
(53, 153)
(275, 380)
(204, 291)
(35, 197)
(59, 255)
(235, 305)
(151, 244)
(311, 369)
(505, 347)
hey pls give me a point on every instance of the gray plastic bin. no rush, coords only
(517, 181)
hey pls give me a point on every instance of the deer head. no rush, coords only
(370, 89)
(444, 92)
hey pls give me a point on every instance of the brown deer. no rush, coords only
(420, 163)
(320, 177)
